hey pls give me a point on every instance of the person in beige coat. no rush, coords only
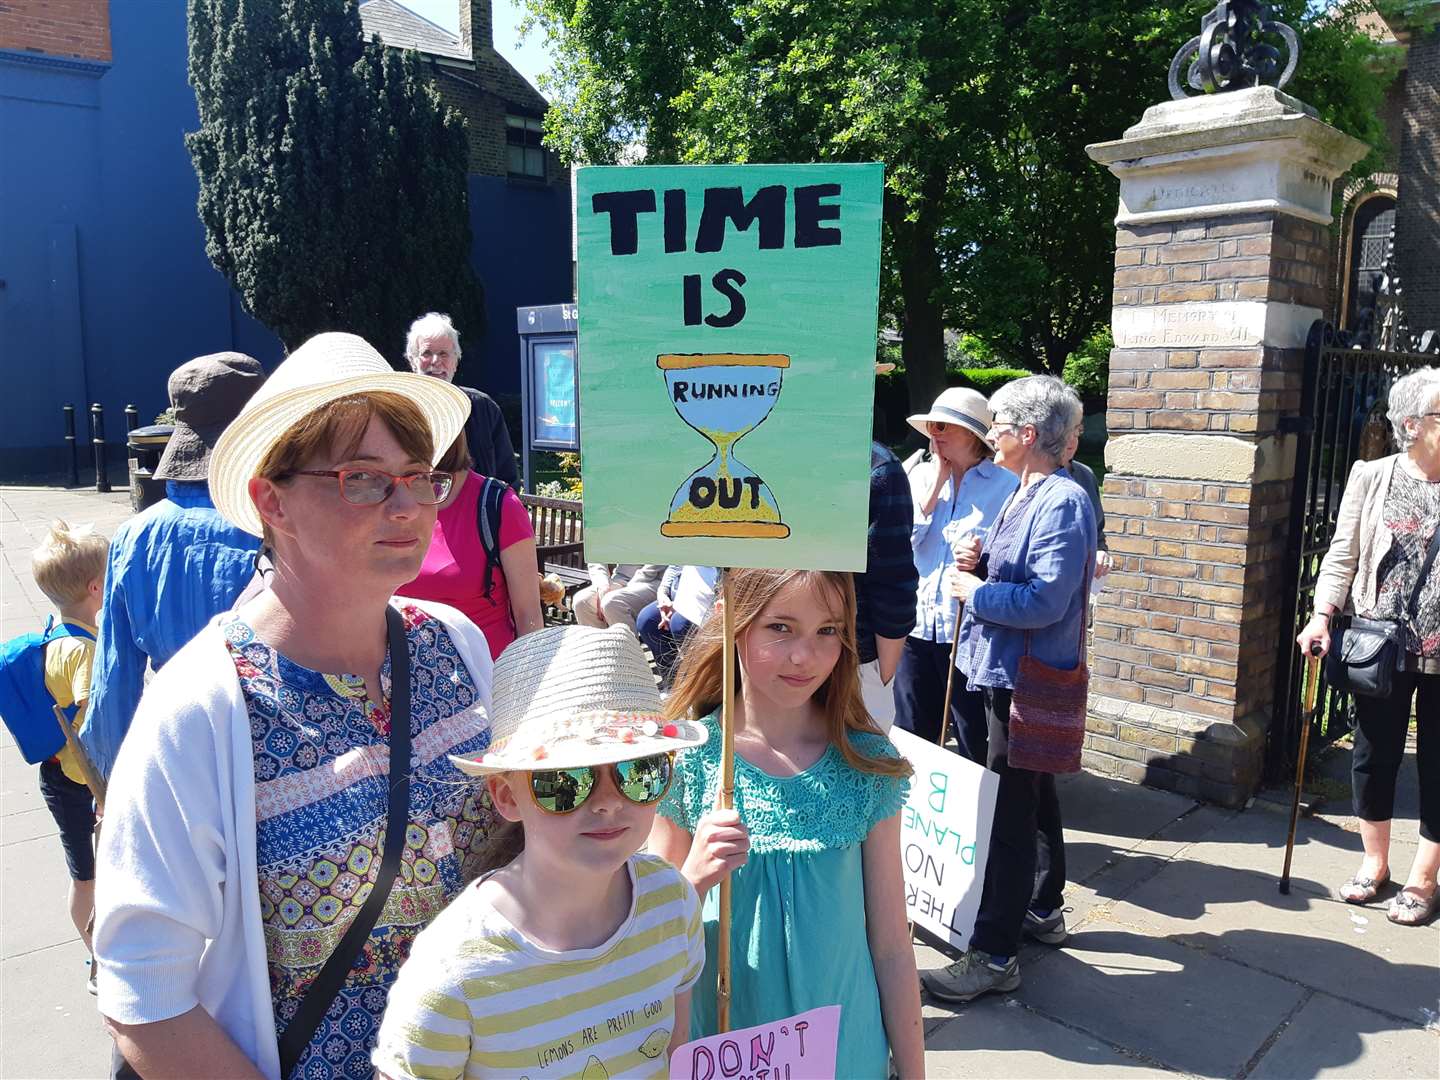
(617, 593)
(1388, 514)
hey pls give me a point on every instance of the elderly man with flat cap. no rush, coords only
(177, 564)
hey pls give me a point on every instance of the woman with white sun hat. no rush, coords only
(956, 491)
(284, 818)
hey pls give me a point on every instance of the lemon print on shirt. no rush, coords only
(595, 1070)
(655, 1043)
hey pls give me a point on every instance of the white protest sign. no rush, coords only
(944, 837)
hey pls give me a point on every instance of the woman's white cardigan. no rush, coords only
(177, 891)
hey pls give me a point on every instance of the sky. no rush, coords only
(531, 59)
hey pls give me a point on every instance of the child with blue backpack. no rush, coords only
(41, 670)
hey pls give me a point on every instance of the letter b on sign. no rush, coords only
(938, 783)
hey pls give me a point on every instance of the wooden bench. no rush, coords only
(559, 527)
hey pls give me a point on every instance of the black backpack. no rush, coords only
(487, 519)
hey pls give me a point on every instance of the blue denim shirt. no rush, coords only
(171, 569)
(1037, 582)
(983, 491)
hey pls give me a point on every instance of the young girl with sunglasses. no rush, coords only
(813, 844)
(576, 953)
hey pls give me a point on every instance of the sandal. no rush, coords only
(1407, 909)
(1361, 890)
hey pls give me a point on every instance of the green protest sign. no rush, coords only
(727, 346)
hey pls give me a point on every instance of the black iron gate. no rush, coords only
(1342, 421)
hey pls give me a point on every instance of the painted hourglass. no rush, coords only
(724, 396)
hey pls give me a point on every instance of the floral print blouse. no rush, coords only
(1412, 514)
(321, 801)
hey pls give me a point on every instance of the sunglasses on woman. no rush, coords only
(642, 781)
(370, 487)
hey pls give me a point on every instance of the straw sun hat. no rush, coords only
(324, 369)
(957, 405)
(570, 696)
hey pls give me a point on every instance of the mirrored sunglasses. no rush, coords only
(642, 781)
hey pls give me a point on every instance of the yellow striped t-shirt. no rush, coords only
(476, 998)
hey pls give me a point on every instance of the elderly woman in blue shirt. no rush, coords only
(1040, 554)
(956, 491)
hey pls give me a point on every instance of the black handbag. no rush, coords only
(332, 974)
(1365, 653)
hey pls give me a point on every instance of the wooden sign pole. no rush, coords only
(727, 798)
(93, 780)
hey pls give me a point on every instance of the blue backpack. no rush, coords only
(26, 706)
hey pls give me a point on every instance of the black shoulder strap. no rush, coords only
(488, 509)
(332, 975)
(1425, 570)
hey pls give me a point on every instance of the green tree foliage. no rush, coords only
(1088, 368)
(332, 179)
(996, 220)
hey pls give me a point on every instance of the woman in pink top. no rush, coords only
(454, 568)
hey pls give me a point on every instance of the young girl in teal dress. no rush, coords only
(813, 844)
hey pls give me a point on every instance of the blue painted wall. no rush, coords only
(520, 247)
(106, 284)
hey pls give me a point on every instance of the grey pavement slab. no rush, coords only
(1133, 990)
(34, 883)
(1324, 944)
(19, 784)
(1111, 808)
(1333, 1038)
(27, 825)
(49, 1027)
(1325, 854)
(999, 1037)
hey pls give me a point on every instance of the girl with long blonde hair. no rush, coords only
(813, 844)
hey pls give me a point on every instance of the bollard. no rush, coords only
(132, 418)
(97, 441)
(71, 445)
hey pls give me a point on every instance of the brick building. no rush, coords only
(504, 114)
(1405, 197)
(71, 29)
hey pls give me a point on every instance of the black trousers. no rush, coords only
(1026, 864)
(1380, 729)
(920, 697)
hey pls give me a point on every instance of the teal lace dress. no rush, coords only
(798, 904)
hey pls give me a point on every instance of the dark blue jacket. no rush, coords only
(885, 593)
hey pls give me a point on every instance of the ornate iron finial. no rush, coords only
(1231, 52)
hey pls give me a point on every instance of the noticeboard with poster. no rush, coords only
(727, 320)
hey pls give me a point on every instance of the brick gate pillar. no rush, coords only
(1221, 264)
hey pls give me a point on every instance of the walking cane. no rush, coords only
(1312, 687)
(727, 800)
(949, 681)
(93, 780)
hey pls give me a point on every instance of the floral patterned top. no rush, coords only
(321, 800)
(1412, 514)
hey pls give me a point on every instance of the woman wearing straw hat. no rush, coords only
(283, 817)
(957, 491)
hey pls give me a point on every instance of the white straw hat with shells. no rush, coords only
(570, 696)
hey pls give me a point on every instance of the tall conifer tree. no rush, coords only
(332, 177)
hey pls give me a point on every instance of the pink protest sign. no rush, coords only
(795, 1048)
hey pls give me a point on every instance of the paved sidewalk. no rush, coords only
(48, 1023)
(1183, 958)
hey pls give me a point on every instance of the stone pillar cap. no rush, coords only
(1240, 116)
